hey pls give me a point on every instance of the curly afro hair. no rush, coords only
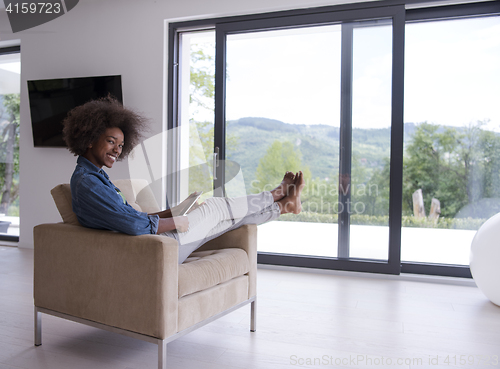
(86, 123)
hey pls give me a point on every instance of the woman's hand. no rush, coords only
(178, 208)
(195, 206)
(181, 223)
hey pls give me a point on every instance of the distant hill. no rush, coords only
(319, 144)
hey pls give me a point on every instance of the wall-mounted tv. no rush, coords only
(52, 99)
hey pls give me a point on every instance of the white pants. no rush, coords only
(219, 215)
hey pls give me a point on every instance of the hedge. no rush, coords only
(383, 220)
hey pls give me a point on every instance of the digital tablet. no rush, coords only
(189, 202)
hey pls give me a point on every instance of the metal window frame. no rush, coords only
(5, 51)
(345, 18)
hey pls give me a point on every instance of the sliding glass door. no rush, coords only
(316, 94)
(452, 141)
(283, 114)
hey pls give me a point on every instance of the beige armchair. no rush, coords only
(133, 285)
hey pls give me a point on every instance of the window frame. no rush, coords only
(5, 51)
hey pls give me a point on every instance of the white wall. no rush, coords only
(101, 37)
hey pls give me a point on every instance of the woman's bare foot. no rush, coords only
(282, 190)
(291, 203)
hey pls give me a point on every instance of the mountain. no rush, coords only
(318, 144)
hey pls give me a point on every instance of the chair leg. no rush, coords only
(38, 327)
(162, 354)
(253, 315)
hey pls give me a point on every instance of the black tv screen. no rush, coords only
(52, 99)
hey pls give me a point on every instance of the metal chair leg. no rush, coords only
(162, 354)
(253, 315)
(38, 327)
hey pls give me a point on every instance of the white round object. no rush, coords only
(485, 259)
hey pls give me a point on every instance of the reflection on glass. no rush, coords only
(10, 69)
(283, 114)
(452, 141)
(197, 78)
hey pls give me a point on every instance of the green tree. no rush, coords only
(283, 156)
(201, 101)
(490, 145)
(373, 192)
(9, 150)
(479, 156)
(201, 97)
(431, 165)
(201, 133)
(458, 166)
(279, 158)
(202, 76)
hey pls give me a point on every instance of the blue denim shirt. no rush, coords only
(98, 204)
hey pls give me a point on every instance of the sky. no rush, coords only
(452, 74)
(290, 75)
(453, 78)
(10, 70)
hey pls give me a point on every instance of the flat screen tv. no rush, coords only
(51, 100)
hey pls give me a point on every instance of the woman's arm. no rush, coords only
(98, 205)
(169, 224)
(163, 214)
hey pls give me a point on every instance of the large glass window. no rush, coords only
(313, 97)
(452, 137)
(283, 114)
(196, 112)
(10, 70)
(396, 127)
(306, 96)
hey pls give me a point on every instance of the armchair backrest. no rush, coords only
(62, 197)
(136, 191)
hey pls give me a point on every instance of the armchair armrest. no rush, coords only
(129, 282)
(244, 238)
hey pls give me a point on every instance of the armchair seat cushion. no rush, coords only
(205, 269)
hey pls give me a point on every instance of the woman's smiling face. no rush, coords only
(107, 149)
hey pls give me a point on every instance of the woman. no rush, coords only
(102, 132)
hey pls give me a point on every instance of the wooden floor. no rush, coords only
(304, 320)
